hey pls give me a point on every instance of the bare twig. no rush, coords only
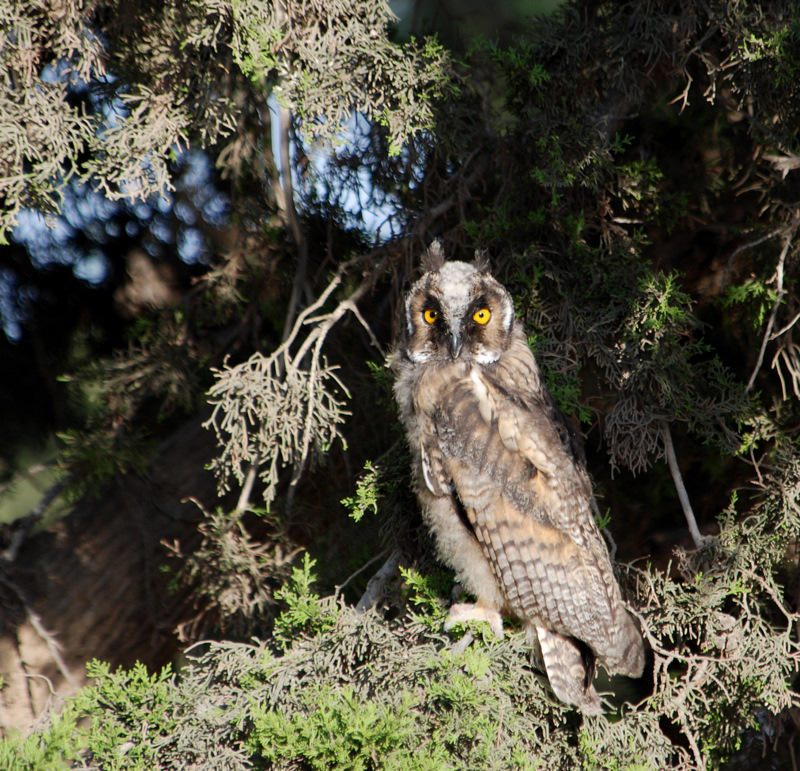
(683, 97)
(789, 354)
(679, 486)
(358, 572)
(780, 292)
(374, 340)
(689, 734)
(292, 218)
(247, 487)
(785, 329)
(743, 248)
(24, 525)
(39, 628)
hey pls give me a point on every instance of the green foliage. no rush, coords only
(132, 715)
(180, 84)
(55, 749)
(602, 520)
(661, 307)
(359, 691)
(755, 294)
(339, 730)
(383, 488)
(422, 706)
(566, 390)
(426, 593)
(396, 85)
(367, 493)
(306, 613)
(54, 52)
(634, 329)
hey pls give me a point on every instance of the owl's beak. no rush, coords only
(455, 343)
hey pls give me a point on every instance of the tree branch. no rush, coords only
(292, 218)
(743, 248)
(24, 525)
(683, 496)
(38, 626)
(358, 572)
(780, 292)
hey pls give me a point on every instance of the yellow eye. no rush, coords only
(430, 315)
(482, 316)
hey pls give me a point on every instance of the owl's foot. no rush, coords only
(462, 612)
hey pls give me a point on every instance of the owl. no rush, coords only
(501, 480)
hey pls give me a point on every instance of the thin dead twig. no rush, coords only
(684, 95)
(785, 329)
(358, 572)
(36, 622)
(683, 496)
(789, 354)
(743, 248)
(24, 525)
(780, 292)
(247, 488)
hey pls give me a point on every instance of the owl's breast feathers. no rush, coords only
(487, 434)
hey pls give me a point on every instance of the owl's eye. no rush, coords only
(482, 316)
(430, 315)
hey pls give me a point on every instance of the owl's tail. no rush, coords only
(570, 668)
(570, 664)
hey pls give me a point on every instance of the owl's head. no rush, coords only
(457, 311)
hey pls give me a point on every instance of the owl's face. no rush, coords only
(458, 312)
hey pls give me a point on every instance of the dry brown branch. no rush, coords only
(683, 97)
(786, 328)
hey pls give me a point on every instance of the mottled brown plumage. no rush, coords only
(501, 481)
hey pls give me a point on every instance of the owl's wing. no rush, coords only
(529, 504)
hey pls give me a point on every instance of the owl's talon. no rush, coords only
(462, 612)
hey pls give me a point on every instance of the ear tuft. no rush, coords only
(481, 260)
(433, 259)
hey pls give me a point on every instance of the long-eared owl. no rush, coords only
(501, 480)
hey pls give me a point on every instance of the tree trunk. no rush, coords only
(92, 585)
